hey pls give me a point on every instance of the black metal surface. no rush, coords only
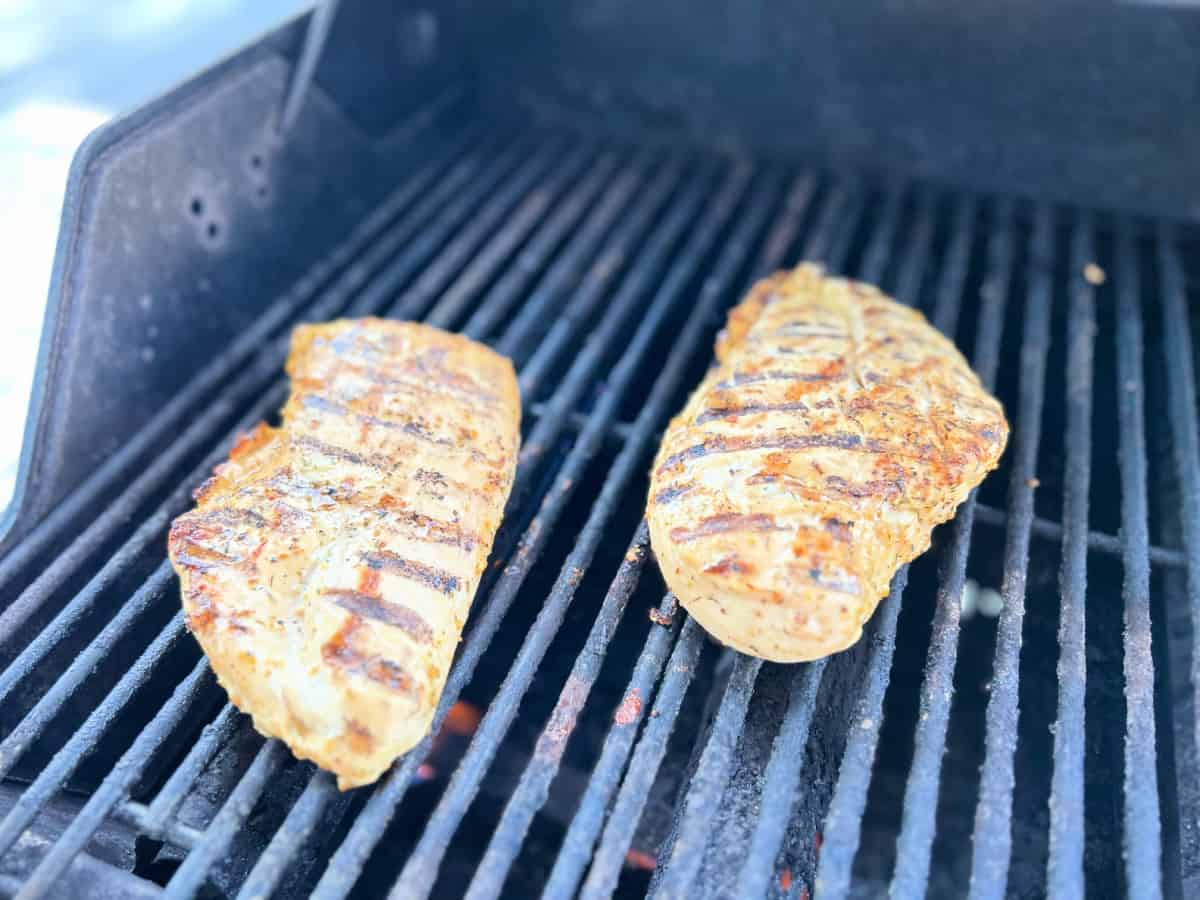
(993, 813)
(1065, 878)
(609, 743)
(975, 95)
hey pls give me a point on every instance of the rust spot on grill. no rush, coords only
(430, 576)
(629, 710)
(723, 524)
(554, 737)
(379, 610)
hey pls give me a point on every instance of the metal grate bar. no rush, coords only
(1185, 427)
(843, 822)
(84, 740)
(879, 248)
(115, 785)
(534, 787)
(420, 872)
(133, 813)
(916, 254)
(568, 265)
(1065, 868)
(376, 230)
(189, 877)
(993, 812)
(712, 773)
(786, 762)
(346, 865)
(265, 370)
(1143, 827)
(1096, 540)
(14, 745)
(914, 846)
(300, 822)
(949, 299)
(635, 788)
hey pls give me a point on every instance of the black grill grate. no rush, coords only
(604, 271)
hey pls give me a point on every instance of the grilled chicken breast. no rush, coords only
(836, 430)
(329, 565)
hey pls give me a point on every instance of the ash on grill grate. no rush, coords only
(584, 745)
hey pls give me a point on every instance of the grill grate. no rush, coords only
(604, 270)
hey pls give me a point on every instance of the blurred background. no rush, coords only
(66, 67)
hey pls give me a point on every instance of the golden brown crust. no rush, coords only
(836, 431)
(329, 564)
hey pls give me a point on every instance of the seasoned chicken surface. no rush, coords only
(837, 429)
(329, 565)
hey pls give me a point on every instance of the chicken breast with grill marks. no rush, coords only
(329, 565)
(836, 430)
